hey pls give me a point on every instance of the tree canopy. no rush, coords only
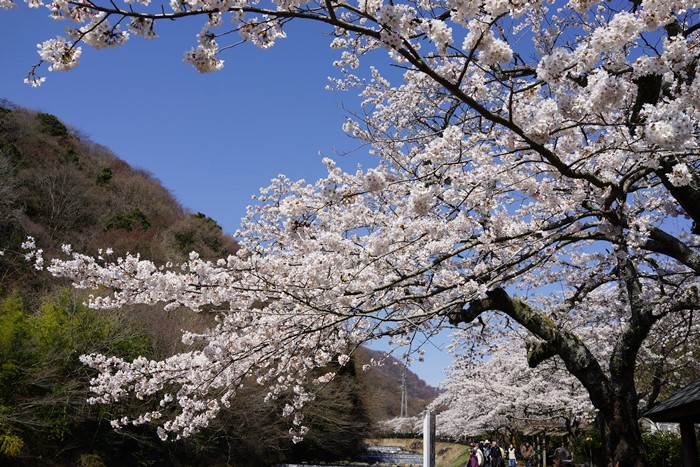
(537, 171)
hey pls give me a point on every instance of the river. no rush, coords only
(377, 456)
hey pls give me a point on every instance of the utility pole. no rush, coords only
(404, 396)
(428, 439)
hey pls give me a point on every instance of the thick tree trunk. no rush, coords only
(624, 440)
(619, 422)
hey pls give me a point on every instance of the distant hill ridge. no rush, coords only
(381, 385)
(63, 188)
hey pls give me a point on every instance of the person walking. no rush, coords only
(479, 453)
(511, 456)
(528, 453)
(486, 447)
(473, 460)
(495, 455)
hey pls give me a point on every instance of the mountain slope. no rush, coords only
(381, 385)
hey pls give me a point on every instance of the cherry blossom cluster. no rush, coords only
(488, 395)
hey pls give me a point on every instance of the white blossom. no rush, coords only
(680, 175)
(203, 59)
(61, 54)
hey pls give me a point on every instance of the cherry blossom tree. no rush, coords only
(499, 392)
(537, 170)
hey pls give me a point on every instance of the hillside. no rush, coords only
(59, 187)
(381, 386)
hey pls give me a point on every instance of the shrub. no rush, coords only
(11, 152)
(51, 125)
(128, 221)
(104, 177)
(202, 234)
(206, 220)
(589, 447)
(69, 155)
(43, 385)
(663, 449)
(6, 106)
(184, 241)
(91, 460)
(10, 445)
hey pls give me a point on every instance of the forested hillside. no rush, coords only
(59, 187)
(380, 386)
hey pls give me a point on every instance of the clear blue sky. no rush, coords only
(212, 139)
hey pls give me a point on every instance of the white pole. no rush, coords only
(429, 439)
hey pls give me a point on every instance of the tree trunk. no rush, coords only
(624, 444)
(624, 441)
(618, 423)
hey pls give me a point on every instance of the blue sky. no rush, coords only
(212, 139)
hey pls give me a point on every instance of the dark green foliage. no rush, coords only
(6, 106)
(69, 155)
(129, 220)
(43, 385)
(51, 125)
(90, 460)
(11, 266)
(184, 240)
(206, 220)
(663, 449)
(6, 116)
(104, 177)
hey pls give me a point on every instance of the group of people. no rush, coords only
(490, 454)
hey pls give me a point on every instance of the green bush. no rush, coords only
(10, 445)
(91, 460)
(206, 220)
(590, 448)
(69, 155)
(43, 385)
(51, 125)
(12, 326)
(184, 241)
(202, 234)
(128, 221)
(663, 449)
(104, 177)
(12, 152)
